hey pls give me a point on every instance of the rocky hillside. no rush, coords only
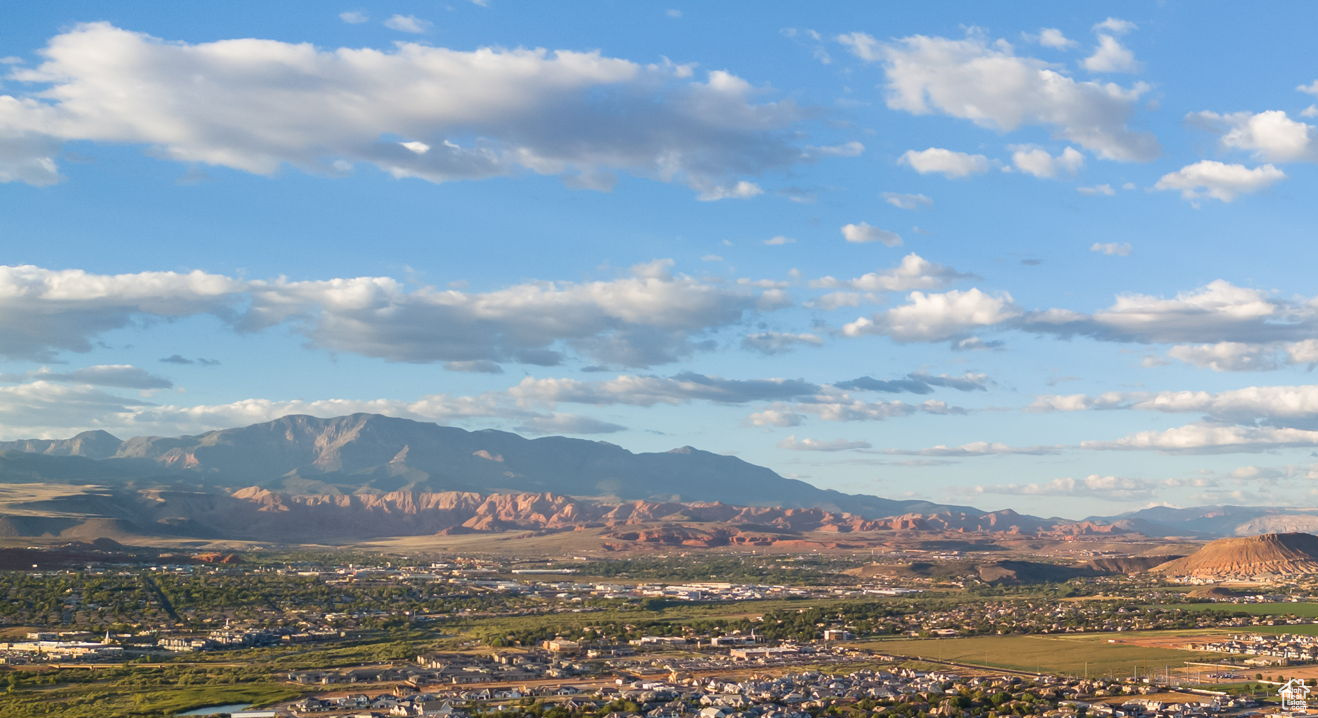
(1268, 554)
(262, 514)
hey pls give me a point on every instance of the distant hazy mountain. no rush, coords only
(372, 453)
(1214, 521)
(89, 444)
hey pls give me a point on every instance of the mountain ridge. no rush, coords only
(375, 453)
(1215, 520)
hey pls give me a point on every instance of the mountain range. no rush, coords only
(305, 478)
(372, 453)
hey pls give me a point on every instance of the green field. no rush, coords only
(102, 701)
(1303, 610)
(1073, 654)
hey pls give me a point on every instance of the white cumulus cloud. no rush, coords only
(864, 233)
(938, 316)
(914, 272)
(949, 163)
(1054, 38)
(1111, 56)
(1037, 162)
(988, 84)
(1270, 136)
(1219, 181)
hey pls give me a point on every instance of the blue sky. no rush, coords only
(1050, 257)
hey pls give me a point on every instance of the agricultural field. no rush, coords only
(1073, 654)
(1302, 610)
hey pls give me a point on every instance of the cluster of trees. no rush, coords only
(139, 597)
(200, 595)
(76, 600)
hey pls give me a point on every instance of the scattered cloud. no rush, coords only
(1054, 38)
(479, 366)
(408, 23)
(1270, 136)
(812, 40)
(988, 84)
(914, 272)
(949, 163)
(41, 404)
(737, 190)
(1219, 181)
(1036, 161)
(1307, 472)
(841, 407)
(865, 233)
(846, 149)
(44, 311)
(54, 408)
(806, 444)
(790, 400)
(1241, 356)
(907, 201)
(1111, 56)
(770, 343)
(354, 17)
(975, 448)
(1218, 311)
(779, 240)
(1108, 488)
(567, 424)
(180, 359)
(775, 417)
(1286, 406)
(649, 317)
(1098, 189)
(1115, 26)
(917, 383)
(1112, 249)
(652, 390)
(1208, 438)
(123, 376)
(936, 317)
(1198, 438)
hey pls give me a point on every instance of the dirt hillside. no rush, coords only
(1267, 554)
